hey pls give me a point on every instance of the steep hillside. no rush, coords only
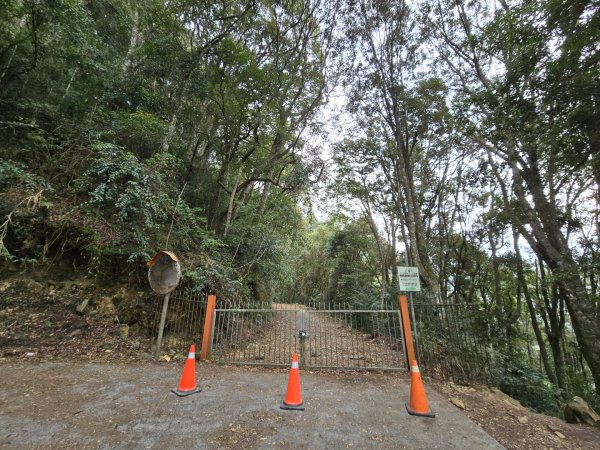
(76, 320)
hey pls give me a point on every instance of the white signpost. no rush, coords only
(408, 279)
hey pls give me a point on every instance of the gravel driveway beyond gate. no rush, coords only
(335, 337)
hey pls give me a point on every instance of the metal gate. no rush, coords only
(453, 342)
(325, 336)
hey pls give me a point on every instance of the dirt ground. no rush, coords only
(83, 381)
(516, 427)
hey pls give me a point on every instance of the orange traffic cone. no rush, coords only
(187, 385)
(293, 397)
(417, 401)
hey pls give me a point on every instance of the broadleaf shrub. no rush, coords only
(121, 185)
(527, 384)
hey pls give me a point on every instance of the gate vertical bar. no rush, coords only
(302, 336)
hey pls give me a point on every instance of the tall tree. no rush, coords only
(402, 111)
(528, 80)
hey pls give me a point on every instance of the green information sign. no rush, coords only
(408, 279)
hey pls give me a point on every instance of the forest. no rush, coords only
(301, 150)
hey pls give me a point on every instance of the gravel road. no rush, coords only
(130, 406)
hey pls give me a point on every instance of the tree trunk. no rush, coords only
(166, 143)
(264, 195)
(381, 250)
(228, 221)
(496, 273)
(554, 322)
(540, 340)
(68, 88)
(547, 240)
(559, 364)
(537, 332)
(394, 256)
(133, 40)
(415, 225)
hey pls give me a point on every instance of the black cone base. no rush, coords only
(185, 393)
(415, 413)
(299, 407)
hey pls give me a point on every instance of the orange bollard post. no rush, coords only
(293, 396)
(208, 327)
(408, 339)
